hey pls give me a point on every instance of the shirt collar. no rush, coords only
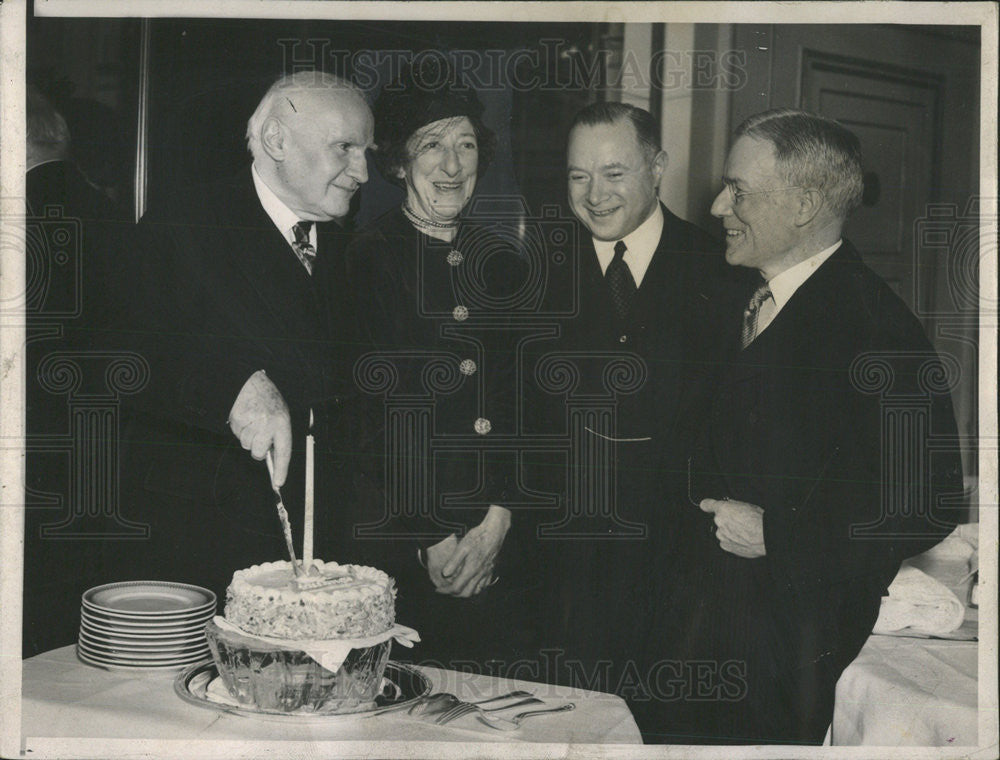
(784, 285)
(282, 216)
(640, 243)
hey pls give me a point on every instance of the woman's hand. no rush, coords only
(469, 569)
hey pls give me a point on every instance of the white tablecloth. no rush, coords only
(917, 691)
(909, 692)
(102, 711)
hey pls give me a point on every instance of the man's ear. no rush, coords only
(30, 155)
(659, 165)
(272, 138)
(810, 204)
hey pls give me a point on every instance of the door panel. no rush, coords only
(893, 113)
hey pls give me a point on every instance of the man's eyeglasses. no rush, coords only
(739, 195)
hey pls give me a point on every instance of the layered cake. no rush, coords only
(318, 642)
(332, 602)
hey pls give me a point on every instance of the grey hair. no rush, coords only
(812, 151)
(286, 87)
(45, 127)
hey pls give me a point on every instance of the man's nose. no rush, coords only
(358, 168)
(723, 203)
(595, 191)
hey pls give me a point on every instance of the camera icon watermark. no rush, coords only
(502, 265)
(954, 241)
(51, 245)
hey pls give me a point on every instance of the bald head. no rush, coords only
(308, 138)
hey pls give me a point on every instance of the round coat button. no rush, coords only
(454, 257)
(623, 339)
(467, 367)
(460, 313)
(483, 426)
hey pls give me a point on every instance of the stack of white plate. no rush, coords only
(145, 625)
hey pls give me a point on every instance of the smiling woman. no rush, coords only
(441, 174)
(433, 288)
(432, 141)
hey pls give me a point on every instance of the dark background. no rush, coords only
(206, 76)
(912, 94)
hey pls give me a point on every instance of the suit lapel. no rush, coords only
(260, 252)
(662, 290)
(332, 288)
(795, 328)
(594, 302)
(667, 285)
(806, 314)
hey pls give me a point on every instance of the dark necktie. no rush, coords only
(302, 247)
(750, 315)
(621, 284)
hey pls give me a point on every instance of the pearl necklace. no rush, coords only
(419, 221)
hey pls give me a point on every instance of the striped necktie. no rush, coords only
(302, 247)
(749, 331)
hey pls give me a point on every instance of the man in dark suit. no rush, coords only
(53, 178)
(817, 471)
(71, 226)
(646, 296)
(236, 318)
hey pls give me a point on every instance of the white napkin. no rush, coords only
(918, 602)
(330, 653)
(955, 554)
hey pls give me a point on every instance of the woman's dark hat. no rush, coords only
(427, 90)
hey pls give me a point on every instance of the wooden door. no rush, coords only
(909, 93)
(895, 114)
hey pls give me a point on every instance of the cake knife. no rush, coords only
(286, 527)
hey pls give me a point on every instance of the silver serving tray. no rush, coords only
(192, 683)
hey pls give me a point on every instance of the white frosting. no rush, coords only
(357, 601)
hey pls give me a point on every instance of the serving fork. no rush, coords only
(441, 702)
(506, 724)
(464, 708)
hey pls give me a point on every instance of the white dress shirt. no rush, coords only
(640, 245)
(785, 284)
(282, 216)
